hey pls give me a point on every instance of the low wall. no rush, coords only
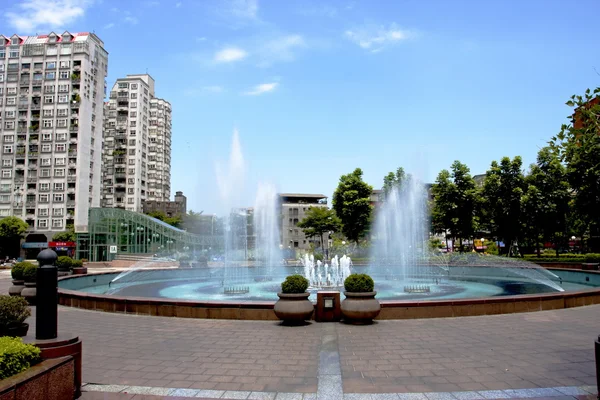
(390, 309)
(51, 379)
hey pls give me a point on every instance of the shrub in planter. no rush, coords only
(294, 284)
(360, 305)
(77, 264)
(17, 276)
(359, 283)
(64, 263)
(30, 273)
(293, 306)
(13, 313)
(16, 356)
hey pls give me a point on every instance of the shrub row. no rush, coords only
(16, 356)
(13, 310)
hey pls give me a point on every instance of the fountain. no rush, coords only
(322, 276)
(266, 231)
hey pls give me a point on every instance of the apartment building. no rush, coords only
(51, 103)
(137, 145)
(293, 210)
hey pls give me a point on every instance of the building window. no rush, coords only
(61, 112)
(7, 163)
(48, 99)
(61, 136)
(9, 124)
(47, 123)
(58, 197)
(132, 123)
(43, 198)
(58, 186)
(8, 149)
(46, 161)
(42, 223)
(11, 101)
(42, 212)
(133, 104)
(46, 148)
(46, 137)
(6, 173)
(60, 147)
(45, 172)
(57, 223)
(59, 172)
(50, 75)
(130, 200)
(44, 187)
(63, 98)
(61, 123)
(51, 65)
(63, 75)
(60, 161)
(48, 113)
(65, 64)
(63, 88)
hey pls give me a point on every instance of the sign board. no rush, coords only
(35, 245)
(113, 250)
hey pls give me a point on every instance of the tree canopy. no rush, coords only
(351, 202)
(319, 220)
(173, 221)
(12, 230)
(66, 236)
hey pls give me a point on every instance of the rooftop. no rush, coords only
(311, 195)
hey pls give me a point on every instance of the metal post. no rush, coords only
(597, 348)
(46, 316)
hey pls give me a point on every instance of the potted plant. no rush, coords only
(293, 306)
(17, 276)
(185, 261)
(64, 265)
(30, 276)
(78, 268)
(13, 313)
(360, 305)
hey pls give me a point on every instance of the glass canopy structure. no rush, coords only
(114, 231)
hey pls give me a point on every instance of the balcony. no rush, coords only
(32, 179)
(33, 154)
(70, 203)
(72, 178)
(35, 106)
(75, 104)
(37, 82)
(19, 179)
(73, 153)
(73, 128)
(20, 156)
(23, 106)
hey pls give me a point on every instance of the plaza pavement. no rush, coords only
(480, 357)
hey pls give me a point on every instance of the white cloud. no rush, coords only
(201, 39)
(262, 88)
(178, 4)
(152, 3)
(280, 49)
(108, 26)
(131, 20)
(230, 54)
(244, 8)
(376, 38)
(39, 14)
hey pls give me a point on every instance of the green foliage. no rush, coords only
(173, 221)
(360, 283)
(393, 180)
(64, 263)
(492, 248)
(435, 244)
(76, 264)
(66, 236)
(294, 284)
(12, 230)
(503, 189)
(13, 310)
(567, 257)
(30, 273)
(318, 257)
(577, 144)
(351, 202)
(16, 356)
(319, 220)
(17, 270)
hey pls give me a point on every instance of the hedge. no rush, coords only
(16, 356)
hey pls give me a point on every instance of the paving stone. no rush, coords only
(288, 396)
(235, 395)
(208, 393)
(412, 396)
(440, 396)
(183, 392)
(158, 391)
(90, 387)
(467, 395)
(494, 394)
(262, 396)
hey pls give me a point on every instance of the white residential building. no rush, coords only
(51, 104)
(137, 145)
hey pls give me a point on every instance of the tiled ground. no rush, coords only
(516, 351)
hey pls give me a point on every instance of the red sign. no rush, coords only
(62, 244)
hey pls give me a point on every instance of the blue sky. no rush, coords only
(318, 88)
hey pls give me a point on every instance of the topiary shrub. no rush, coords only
(30, 273)
(13, 311)
(16, 356)
(294, 284)
(76, 264)
(360, 283)
(17, 270)
(64, 263)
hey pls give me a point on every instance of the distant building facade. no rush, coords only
(169, 208)
(294, 207)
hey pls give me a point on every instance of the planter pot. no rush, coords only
(80, 271)
(16, 288)
(360, 308)
(30, 292)
(293, 307)
(184, 264)
(18, 330)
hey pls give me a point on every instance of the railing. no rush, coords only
(73, 128)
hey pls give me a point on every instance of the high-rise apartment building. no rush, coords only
(137, 145)
(51, 103)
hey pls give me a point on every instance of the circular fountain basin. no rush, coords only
(200, 292)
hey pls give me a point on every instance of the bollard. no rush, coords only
(46, 316)
(597, 346)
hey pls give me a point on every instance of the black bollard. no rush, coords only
(46, 315)
(597, 347)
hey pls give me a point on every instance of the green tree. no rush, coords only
(351, 202)
(12, 230)
(319, 220)
(502, 194)
(546, 201)
(66, 236)
(578, 144)
(393, 180)
(442, 210)
(173, 221)
(466, 200)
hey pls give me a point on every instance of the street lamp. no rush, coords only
(482, 249)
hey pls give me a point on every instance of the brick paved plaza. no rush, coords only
(483, 354)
